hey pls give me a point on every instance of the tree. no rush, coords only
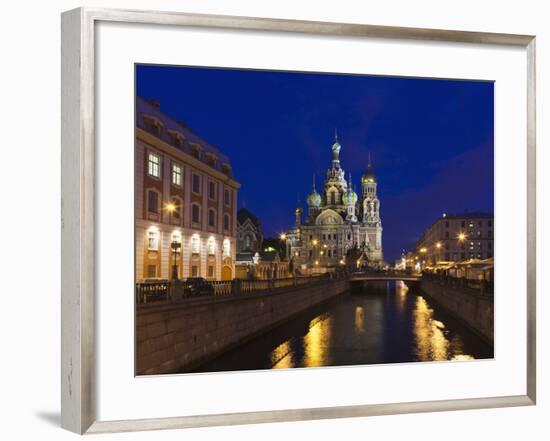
(275, 244)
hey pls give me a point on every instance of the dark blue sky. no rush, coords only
(431, 141)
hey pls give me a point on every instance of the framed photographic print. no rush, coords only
(284, 204)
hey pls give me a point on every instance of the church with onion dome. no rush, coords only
(338, 223)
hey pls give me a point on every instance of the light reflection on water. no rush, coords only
(387, 323)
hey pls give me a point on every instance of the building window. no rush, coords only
(195, 244)
(196, 183)
(226, 197)
(153, 165)
(211, 217)
(176, 174)
(212, 190)
(176, 214)
(176, 139)
(195, 213)
(211, 246)
(447, 257)
(226, 248)
(153, 240)
(151, 271)
(210, 271)
(489, 223)
(490, 233)
(196, 151)
(194, 271)
(226, 222)
(334, 237)
(490, 245)
(446, 234)
(152, 201)
(446, 224)
(349, 236)
(463, 224)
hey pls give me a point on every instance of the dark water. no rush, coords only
(385, 323)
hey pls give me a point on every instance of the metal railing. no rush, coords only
(148, 292)
(472, 286)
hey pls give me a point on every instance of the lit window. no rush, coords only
(176, 175)
(194, 271)
(153, 165)
(153, 240)
(196, 183)
(195, 213)
(151, 271)
(211, 246)
(226, 248)
(195, 244)
(210, 271)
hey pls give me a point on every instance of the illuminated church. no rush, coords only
(338, 223)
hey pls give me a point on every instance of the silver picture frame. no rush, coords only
(78, 395)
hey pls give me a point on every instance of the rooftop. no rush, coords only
(150, 109)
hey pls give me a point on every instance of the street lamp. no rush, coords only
(175, 246)
(170, 207)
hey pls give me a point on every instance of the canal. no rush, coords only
(386, 322)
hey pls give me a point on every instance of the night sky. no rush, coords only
(431, 141)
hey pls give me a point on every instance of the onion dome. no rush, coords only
(349, 197)
(314, 198)
(369, 175)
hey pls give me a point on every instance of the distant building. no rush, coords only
(185, 201)
(338, 221)
(249, 232)
(252, 260)
(453, 238)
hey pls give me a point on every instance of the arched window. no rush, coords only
(211, 246)
(226, 223)
(211, 217)
(195, 244)
(153, 201)
(196, 213)
(226, 248)
(177, 213)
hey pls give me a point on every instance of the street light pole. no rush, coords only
(171, 207)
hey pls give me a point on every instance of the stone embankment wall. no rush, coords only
(180, 337)
(467, 305)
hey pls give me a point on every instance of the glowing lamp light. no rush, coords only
(316, 262)
(423, 250)
(322, 252)
(315, 242)
(461, 237)
(438, 245)
(283, 236)
(171, 207)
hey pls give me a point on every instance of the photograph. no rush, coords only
(290, 219)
